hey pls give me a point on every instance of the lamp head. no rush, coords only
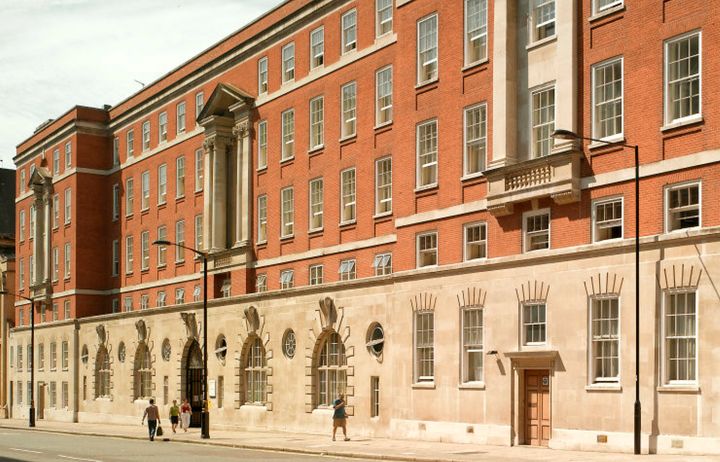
(561, 134)
(162, 242)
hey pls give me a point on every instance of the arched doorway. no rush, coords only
(193, 374)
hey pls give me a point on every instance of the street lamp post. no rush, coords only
(569, 135)
(31, 355)
(205, 414)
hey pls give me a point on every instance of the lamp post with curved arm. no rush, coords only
(569, 135)
(31, 355)
(205, 414)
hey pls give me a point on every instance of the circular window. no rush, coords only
(121, 352)
(375, 339)
(84, 355)
(166, 350)
(289, 343)
(221, 348)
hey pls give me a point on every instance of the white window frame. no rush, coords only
(162, 249)
(527, 237)
(287, 279)
(382, 264)
(317, 123)
(67, 262)
(316, 275)
(162, 184)
(317, 48)
(199, 105)
(419, 251)
(56, 211)
(262, 145)
(526, 323)
(179, 239)
(479, 34)
(116, 152)
(199, 232)
(197, 293)
(596, 226)
(348, 196)
(115, 257)
(180, 117)
(115, 201)
(56, 161)
(263, 75)
(423, 318)
(287, 149)
(348, 33)
(664, 342)
(348, 122)
(348, 269)
(482, 242)
(468, 346)
(428, 69)
(603, 338)
(316, 200)
(539, 30)
(145, 249)
(384, 96)
(67, 206)
(162, 127)
(430, 162)
(383, 189)
(599, 9)
(21, 225)
(146, 135)
(288, 63)
(145, 190)
(261, 282)
(669, 116)
(479, 141)
(129, 196)
(287, 212)
(262, 219)
(541, 127)
(597, 130)
(180, 177)
(179, 296)
(55, 264)
(130, 142)
(667, 212)
(199, 169)
(381, 17)
(129, 254)
(68, 154)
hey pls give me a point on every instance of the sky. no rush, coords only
(55, 54)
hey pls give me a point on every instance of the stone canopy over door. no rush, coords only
(226, 119)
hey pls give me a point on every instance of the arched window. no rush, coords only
(102, 373)
(143, 373)
(331, 370)
(255, 372)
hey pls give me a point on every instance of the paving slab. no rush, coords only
(361, 448)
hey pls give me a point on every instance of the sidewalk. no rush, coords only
(365, 448)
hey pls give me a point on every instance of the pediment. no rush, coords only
(39, 176)
(224, 97)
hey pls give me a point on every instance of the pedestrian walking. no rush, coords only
(153, 418)
(340, 417)
(185, 413)
(174, 415)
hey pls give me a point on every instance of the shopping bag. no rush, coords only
(159, 431)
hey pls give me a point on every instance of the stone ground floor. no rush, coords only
(531, 350)
(359, 447)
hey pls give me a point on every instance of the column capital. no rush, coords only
(241, 129)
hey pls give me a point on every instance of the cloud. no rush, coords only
(55, 54)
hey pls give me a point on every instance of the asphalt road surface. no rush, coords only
(33, 446)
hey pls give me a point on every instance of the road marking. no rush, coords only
(77, 458)
(25, 450)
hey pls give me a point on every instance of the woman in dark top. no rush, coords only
(340, 417)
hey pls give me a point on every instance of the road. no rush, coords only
(35, 446)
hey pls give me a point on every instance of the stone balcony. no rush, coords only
(556, 176)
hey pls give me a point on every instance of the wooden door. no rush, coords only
(537, 407)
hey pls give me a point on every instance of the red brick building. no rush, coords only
(398, 158)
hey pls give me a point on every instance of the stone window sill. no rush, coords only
(671, 388)
(540, 43)
(608, 12)
(609, 386)
(682, 122)
(475, 64)
(472, 386)
(423, 386)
